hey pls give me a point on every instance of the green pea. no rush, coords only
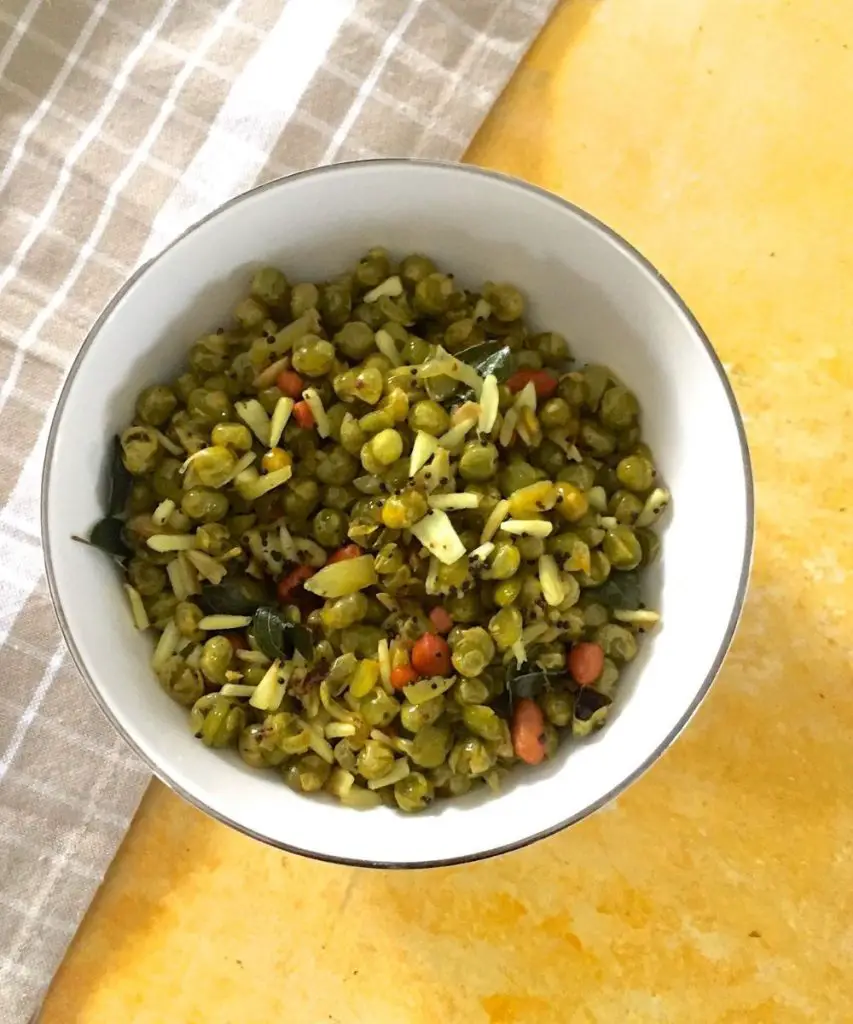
(506, 301)
(636, 473)
(301, 498)
(596, 380)
(255, 749)
(580, 474)
(649, 543)
(336, 303)
(415, 268)
(204, 504)
(525, 359)
(506, 560)
(365, 384)
(599, 570)
(558, 706)
(214, 465)
(271, 287)
(386, 447)
(156, 404)
(313, 357)
(147, 578)
(617, 642)
(596, 439)
(415, 351)
(484, 722)
(505, 627)
(516, 475)
(181, 683)
(251, 312)
(141, 497)
(621, 546)
(506, 592)
(473, 651)
(213, 538)
(329, 528)
(209, 406)
(554, 414)
(187, 617)
(429, 416)
(356, 340)
(374, 760)
(471, 756)
(185, 385)
(462, 334)
(303, 297)
(624, 506)
(337, 467)
(479, 461)
(471, 691)
(465, 607)
(232, 435)
(362, 640)
(434, 294)
(339, 497)
(140, 450)
(413, 793)
(619, 408)
(552, 346)
(379, 709)
(430, 746)
(373, 268)
(215, 659)
(209, 355)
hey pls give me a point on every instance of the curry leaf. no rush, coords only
(277, 637)
(120, 481)
(488, 357)
(620, 590)
(235, 595)
(527, 681)
(106, 535)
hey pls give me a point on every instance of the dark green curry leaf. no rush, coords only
(527, 681)
(488, 357)
(107, 536)
(278, 638)
(235, 595)
(620, 590)
(120, 481)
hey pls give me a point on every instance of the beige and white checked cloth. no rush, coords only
(121, 122)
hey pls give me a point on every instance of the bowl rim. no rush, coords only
(158, 770)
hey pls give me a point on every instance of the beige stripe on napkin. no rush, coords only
(122, 122)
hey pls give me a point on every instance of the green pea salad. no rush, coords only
(387, 538)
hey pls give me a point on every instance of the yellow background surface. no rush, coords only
(716, 136)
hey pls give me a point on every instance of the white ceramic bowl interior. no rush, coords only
(580, 279)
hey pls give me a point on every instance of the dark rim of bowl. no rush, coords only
(734, 617)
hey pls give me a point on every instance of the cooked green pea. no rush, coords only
(301, 498)
(374, 760)
(624, 506)
(232, 435)
(555, 413)
(415, 717)
(250, 312)
(149, 579)
(156, 404)
(621, 546)
(214, 465)
(619, 408)
(617, 642)
(271, 287)
(304, 297)
(313, 357)
(599, 570)
(209, 406)
(356, 340)
(464, 607)
(335, 303)
(415, 268)
(596, 439)
(506, 559)
(215, 659)
(649, 543)
(433, 294)
(471, 756)
(516, 475)
(580, 474)
(430, 746)
(505, 627)
(507, 591)
(213, 538)
(430, 417)
(140, 450)
(636, 473)
(379, 709)
(506, 301)
(183, 684)
(329, 528)
(552, 346)
(473, 651)
(338, 467)
(209, 355)
(413, 793)
(479, 461)
(204, 504)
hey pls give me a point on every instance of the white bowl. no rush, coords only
(581, 279)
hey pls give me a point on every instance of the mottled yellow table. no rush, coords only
(716, 136)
